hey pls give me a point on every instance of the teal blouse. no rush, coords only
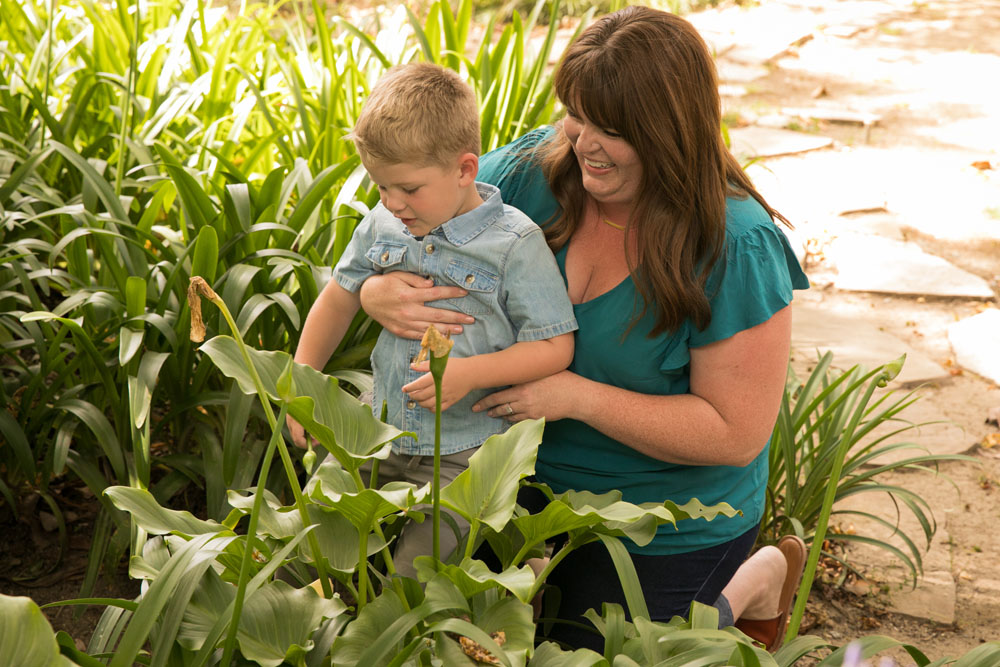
(753, 281)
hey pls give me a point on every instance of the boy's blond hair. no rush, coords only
(419, 113)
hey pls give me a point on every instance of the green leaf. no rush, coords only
(141, 386)
(473, 577)
(152, 518)
(13, 436)
(160, 593)
(872, 645)
(279, 618)
(628, 577)
(103, 432)
(548, 654)
(984, 655)
(363, 508)
(26, 634)
(338, 538)
(487, 490)
(342, 424)
(369, 628)
(205, 262)
(207, 604)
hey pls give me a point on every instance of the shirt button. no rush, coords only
(385, 256)
(429, 249)
(411, 404)
(469, 279)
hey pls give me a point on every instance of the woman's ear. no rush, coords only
(468, 165)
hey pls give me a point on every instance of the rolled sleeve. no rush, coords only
(536, 300)
(354, 267)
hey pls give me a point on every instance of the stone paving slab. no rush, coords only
(731, 72)
(833, 114)
(751, 142)
(868, 263)
(879, 222)
(935, 595)
(854, 341)
(976, 342)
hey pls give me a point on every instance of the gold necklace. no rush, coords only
(602, 218)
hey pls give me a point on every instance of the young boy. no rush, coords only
(418, 138)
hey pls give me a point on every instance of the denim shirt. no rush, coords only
(515, 292)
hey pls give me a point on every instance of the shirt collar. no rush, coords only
(463, 228)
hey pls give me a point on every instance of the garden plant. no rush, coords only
(147, 147)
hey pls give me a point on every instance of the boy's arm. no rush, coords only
(521, 362)
(325, 326)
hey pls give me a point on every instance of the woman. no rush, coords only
(681, 283)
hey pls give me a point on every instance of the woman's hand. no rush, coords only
(550, 397)
(396, 301)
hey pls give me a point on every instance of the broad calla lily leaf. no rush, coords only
(208, 603)
(487, 490)
(550, 655)
(368, 628)
(274, 519)
(156, 520)
(278, 620)
(365, 507)
(25, 634)
(473, 576)
(607, 513)
(338, 538)
(341, 423)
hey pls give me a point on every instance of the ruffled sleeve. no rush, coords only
(516, 170)
(756, 278)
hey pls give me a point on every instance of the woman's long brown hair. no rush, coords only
(649, 76)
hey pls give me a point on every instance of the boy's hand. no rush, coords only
(456, 383)
(298, 433)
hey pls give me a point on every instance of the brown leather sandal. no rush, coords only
(771, 631)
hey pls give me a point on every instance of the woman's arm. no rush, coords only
(736, 389)
(396, 301)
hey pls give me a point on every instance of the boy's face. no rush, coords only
(424, 198)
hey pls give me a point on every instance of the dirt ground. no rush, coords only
(930, 163)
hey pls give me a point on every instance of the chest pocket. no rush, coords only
(480, 283)
(387, 256)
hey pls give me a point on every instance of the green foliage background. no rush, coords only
(145, 143)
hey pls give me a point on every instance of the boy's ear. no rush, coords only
(468, 165)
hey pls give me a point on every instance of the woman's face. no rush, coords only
(611, 169)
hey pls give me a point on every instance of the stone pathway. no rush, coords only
(887, 160)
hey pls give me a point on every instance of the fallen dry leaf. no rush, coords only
(982, 165)
(991, 440)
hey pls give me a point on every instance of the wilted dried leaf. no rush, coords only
(982, 165)
(436, 342)
(198, 288)
(991, 440)
(475, 650)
